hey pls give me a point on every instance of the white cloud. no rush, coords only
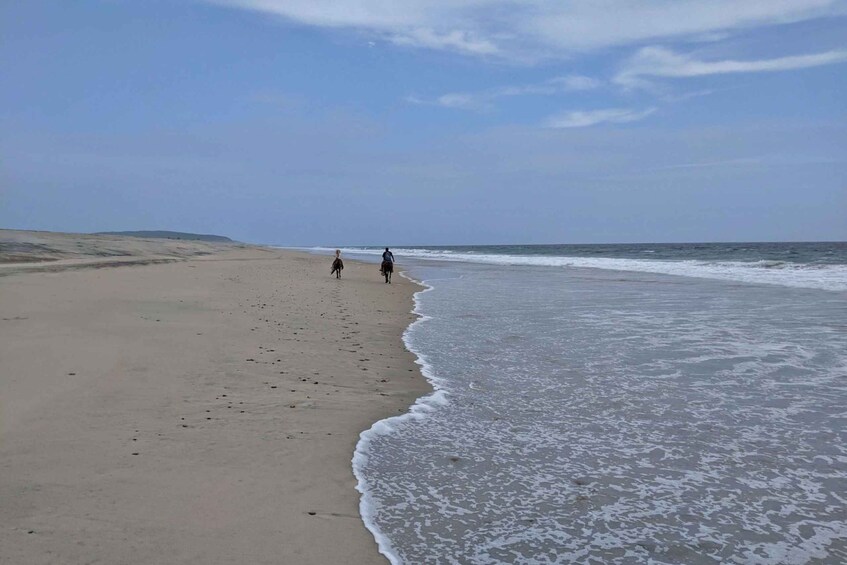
(460, 100)
(556, 85)
(455, 40)
(485, 100)
(576, 82)
(591, 24)
(689, 95)
(661, 62)
(707, 164)
(455, 100)
(527, 30)
(581, 119)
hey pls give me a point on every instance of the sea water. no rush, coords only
(619, 404)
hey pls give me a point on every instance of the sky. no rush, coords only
(424, 122)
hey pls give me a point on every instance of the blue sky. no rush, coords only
(425, 122)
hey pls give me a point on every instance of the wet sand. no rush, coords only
(199, 406)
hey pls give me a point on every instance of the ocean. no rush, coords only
(673, 403)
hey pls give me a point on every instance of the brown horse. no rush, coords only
(337, 267)
(386, 269)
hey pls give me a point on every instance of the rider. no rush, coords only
(337, 264)
(386, 256)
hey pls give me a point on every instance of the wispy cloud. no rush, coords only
(484, 100)
(651, 62)
(795, 158)
(688, 95)
(581, 119)
(576, 82)
(706, 164)
(457, 100)
(455, 40)
(543, 28)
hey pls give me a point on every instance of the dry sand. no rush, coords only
(203, 410)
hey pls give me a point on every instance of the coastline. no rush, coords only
(421, 406)
(204, 409)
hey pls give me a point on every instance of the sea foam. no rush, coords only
(613, 419)
(784, 273)
(368, 503)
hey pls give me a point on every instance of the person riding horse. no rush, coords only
(387, 266)
(337, 265)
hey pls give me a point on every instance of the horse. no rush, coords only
(386, 269)
(337, 267)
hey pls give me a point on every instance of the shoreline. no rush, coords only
(384, 426)
(201, 410)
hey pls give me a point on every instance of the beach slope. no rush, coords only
(199, 410)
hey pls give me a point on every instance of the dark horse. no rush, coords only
(337, 267)
(386, 269)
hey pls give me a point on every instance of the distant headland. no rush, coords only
(161, 234)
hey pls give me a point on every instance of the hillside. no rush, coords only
(160, 234)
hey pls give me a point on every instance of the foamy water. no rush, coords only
(582, 415)
(825, 276)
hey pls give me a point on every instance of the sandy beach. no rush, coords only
(190, 402)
